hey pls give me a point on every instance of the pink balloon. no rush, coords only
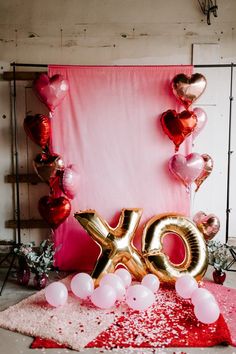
(104, 297)
(201, 121)
(125, 276)
(201, 294)
(116, 283)
(207, 311)
(185, 286)
(70, 181)
(152, 282)
(82, 285)
(139, 297)
(186, 169)
(51, 91)
(56, 294)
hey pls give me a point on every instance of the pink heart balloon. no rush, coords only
(51, 91)
(186, 169)
(70, 181)
(209, 225)
(201, 121)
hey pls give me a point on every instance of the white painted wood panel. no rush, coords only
(213, 140)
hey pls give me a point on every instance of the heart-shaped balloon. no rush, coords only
(188, 89)
(47, 166)
(51, 91)
(38, 129)
(54, 210)
(207, 169)
(201, 121)
(69, 181)
(178, 126)
(209, 225)
(186, 169)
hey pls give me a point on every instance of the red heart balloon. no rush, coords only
(51, 91)
(178, 126)
(188, 89)
(54, 210)
(38, 129)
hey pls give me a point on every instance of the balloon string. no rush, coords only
(188, 190)
(193, 195)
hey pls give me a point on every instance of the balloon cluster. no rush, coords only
(113, 287)
(193, 168)
(206, 308)
(139, 296)
(178, 126)
(48, 165)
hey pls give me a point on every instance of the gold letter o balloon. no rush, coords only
(196, 257)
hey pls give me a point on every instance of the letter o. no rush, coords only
(196, 256)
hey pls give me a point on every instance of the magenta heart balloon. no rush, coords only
(201, 121)
(51, 91)
(186, 169)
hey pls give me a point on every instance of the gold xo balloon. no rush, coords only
(115, 243)
(196, 260)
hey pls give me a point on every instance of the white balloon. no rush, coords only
(201, 294)
(125, 276)
(116, 283)
(152, 282)
(207, 311)
(56, 294)
(185, 286)
(139, 297)
(104, 297)
(82, 285)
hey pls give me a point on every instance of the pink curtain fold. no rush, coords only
(109, 127)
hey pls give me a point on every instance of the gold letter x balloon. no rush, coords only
(116, 243)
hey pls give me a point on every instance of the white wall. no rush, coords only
(122, 32)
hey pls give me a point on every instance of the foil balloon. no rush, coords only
(69, 181)
(196, 258)
(209, 225)
(178, 126)
(188, 89)
(115, 243)
(54, 210)
(51, 90)
(201, 121)
(186, 169)
(207, 169)
(47, 166)
(38, 129)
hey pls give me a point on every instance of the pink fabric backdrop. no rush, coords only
(109, 126)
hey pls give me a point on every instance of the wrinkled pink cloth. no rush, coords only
(109, 127)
